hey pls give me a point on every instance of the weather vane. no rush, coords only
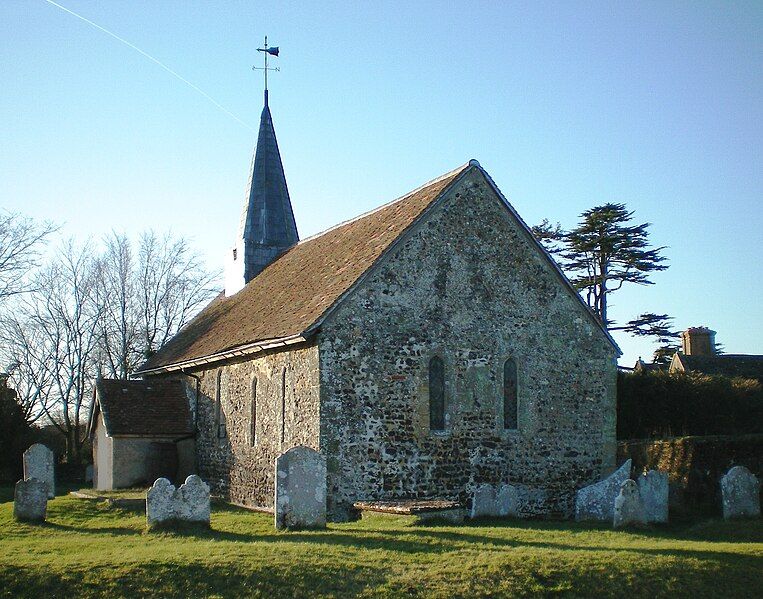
(267, 51)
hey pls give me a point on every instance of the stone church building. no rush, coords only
(424, 348)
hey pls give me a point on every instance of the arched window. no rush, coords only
(283, 406)
(436, 394)
(253, 415)
(510, 394)
(219, 426)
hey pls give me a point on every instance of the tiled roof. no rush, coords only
(741, 365)
(294, 291)
(154, 407)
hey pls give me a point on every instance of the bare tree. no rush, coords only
(173, 284)
(23, 349)
(20, 241)
(56, 330)
(119, 348)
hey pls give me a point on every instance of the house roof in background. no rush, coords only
(733, 365)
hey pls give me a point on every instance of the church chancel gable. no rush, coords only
(424, 348)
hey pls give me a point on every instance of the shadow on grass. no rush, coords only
(110, 530)
(192, 579)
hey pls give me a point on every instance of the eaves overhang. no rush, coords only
(242, 350)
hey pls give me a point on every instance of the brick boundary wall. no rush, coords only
(694, 466)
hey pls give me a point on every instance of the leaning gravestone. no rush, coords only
(628, 508)
(300, 494)
(740, 490)
(166, 505)
(484, 502)
(653, 489)
(597, 501)
(30, 500)
(38, 463)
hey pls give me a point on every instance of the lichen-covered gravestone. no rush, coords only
(38, 463)
(484, 502)
(167, 506)
(300, 493)
(507, 500)
(740, 490)
(30, 500)
(194, 500)
(653, 489)
(597, 501)
(628, 508)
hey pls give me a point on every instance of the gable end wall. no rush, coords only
(465, 284)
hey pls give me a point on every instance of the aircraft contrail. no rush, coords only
(152, 59)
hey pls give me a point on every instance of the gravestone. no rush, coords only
(89, 473)
(300, 494)
(484, 502)
(597, 501)
(628, 509)
(740, 491)
(653, 489)
(194, 501)
(38, 463)
(167, 505)
(507, 501)
(30, 500)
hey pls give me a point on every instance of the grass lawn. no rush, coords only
(87, 549)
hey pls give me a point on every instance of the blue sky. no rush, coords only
(567, 104)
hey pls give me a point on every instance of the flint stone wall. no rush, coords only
(30, 500)
(39, 464)
(466, 284)
(597, 501)
(628, 507)
(300, 492)
(238, 467)
(189, 503)
(740, 491)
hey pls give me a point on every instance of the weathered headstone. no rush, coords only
(195, 505)
(628, 509)
(300, 493)
(507, 500)
(89, 473)
(38, 463)
(653, 489)
(166, 505)
(30, 500)
(484, 501)
(597, 501)
(740, 490)
(160, 502)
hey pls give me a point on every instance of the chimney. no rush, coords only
(698, 341)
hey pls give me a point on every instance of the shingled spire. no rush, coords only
(267, 227)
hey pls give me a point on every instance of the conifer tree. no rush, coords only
(600, 255)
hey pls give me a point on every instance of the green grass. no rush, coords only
(139, 493)
(87, 549)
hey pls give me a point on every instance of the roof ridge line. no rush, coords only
(399, 199)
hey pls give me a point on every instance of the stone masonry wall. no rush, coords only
(467, 285)
(233, 466)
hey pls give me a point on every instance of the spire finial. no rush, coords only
(267, 50)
